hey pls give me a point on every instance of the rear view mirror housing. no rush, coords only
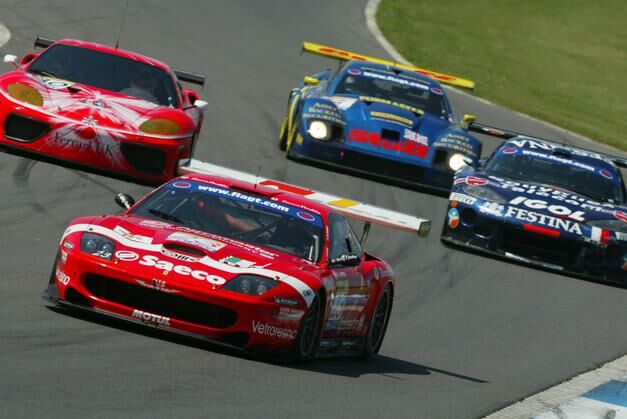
(124, 200)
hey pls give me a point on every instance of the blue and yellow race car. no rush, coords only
(380, 119)
(545, 204)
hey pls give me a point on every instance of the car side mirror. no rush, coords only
(311, 81)
(124, 200)
(345, 260)
(11, 59)
(466, 121)
(202, 105)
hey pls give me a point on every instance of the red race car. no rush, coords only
(261, 266)
(101, 108)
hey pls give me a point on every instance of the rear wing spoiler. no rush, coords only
(506, 135)
(343, 55)
(182, 75)
(357, 210)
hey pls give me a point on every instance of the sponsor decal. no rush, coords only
(545, 220)
(204, 243)
(492, 208)
(407, 147)
(354, 71)
(235, 261)
(463, 198)
(126, 256)
(157, 284)
(389, 117)
(472, 181)
(343, 103)
(344, 258)
(606, 174)
(437, 91)
(457, 142)
(56, 84)
(410, 135)
(132, 237)
(391, 103)
(183, 270)
(558, 210)
(453, 218)
(62, 277)
(267, 329)
(182, 185)
(324, 111)
(305, 216)
(307, 293)
(68, 245)
(540, 145)
(72, 139)
(397, 80)
(63, 256)
(509, 150)
(289, 313)
(286, 301)
(559, 159)
(621, 215)
(154, 224)
(150, 318)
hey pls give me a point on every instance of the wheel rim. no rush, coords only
(380, 319)
(309, 331)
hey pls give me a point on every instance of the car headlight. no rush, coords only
(319, 130)
(612, 225)
(25, 93)
(484, 193)
(160, 126)
(97, 245)
(250, 284)
(456, 161)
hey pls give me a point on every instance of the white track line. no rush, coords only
(5, 35)
(370, 12)
(555, 396)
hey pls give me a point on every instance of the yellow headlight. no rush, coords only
(160, 126)
(25, 93)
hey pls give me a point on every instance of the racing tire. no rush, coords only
(379, 323)
(308, 336)
(53, 273)
(283, 135)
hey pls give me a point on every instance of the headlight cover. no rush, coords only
(97, 245)
(612, 225)
(319, 130)
(456, 161)
(484, 193)
(254, 285)
(160, 126)
(25, 93)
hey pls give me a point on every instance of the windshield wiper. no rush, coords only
(45, 73)
(169, 217)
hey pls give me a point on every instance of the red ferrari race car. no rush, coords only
(243, 261)
(101, 108)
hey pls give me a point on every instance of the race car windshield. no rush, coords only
(395, 89)
(106, 71)
(239, 216)
(595, 184)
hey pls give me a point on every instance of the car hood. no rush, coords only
(158, 246)
(85, 104)
(542, 199)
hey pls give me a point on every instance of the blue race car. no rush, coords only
(541, 203)
(380, 119)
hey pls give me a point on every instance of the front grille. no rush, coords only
(552, 250)
(21, 128)
(383, 167)
(144, 159)
(161, 303)
(390, 135)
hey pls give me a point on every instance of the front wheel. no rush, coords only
(283, 135)
(308, 334)
(379, 323)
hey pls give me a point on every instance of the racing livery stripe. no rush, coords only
(302, 288)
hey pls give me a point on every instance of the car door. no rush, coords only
(350, 292)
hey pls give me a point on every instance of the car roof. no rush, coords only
(295, 198)
(115, 51)
(361, 65)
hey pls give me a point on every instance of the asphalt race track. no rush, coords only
(468, 334)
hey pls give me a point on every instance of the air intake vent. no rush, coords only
(21, 128)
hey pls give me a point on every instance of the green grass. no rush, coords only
(564, 62)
